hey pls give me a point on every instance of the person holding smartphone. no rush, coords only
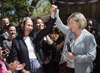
(11, 29)
(15, 66)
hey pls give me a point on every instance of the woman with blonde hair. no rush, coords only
(82, 46)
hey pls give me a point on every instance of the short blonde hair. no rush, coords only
(77, 16)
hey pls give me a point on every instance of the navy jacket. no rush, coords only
(19, 49)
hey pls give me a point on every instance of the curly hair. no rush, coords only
(95, 25)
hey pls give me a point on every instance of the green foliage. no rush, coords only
(15, 9)
(6, 5)
(42, 7)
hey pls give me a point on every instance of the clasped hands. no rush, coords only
(71, 56)
(53, 10)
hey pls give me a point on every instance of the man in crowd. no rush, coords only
(3, 31)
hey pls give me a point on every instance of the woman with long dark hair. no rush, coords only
(26, 48)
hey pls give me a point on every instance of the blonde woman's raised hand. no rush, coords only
(53, 10)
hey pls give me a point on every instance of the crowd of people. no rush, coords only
(33, 47)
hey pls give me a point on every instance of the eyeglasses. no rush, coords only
(39, 23)
(89, 25)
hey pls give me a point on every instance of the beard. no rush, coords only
(5, 27)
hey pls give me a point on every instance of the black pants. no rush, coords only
(48, 68)
(70, 70)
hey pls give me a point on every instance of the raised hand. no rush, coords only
(53, 10)
(5, 53)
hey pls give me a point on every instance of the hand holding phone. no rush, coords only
(5, 53)
(68, 46)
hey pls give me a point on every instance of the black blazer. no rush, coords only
(19, 49)
(48, 49)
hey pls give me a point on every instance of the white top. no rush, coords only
(30, 47)
(70, 62)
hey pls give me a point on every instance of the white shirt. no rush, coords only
(30, 47)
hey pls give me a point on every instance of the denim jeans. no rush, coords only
(35, 66)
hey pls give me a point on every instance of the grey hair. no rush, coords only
(24, 20)
(22, 25)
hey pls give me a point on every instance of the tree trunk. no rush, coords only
(30, 11)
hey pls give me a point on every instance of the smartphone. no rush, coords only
(4, 51)
(68, 46)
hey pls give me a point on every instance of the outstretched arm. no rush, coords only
(65, 29)
(49, 27)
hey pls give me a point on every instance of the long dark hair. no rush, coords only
(95, 25)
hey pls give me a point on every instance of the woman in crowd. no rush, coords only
(55, 33)
(48, 46)
(26, 48)
(82, 51)
(92, 27)
(59, 41)
(11, 29)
